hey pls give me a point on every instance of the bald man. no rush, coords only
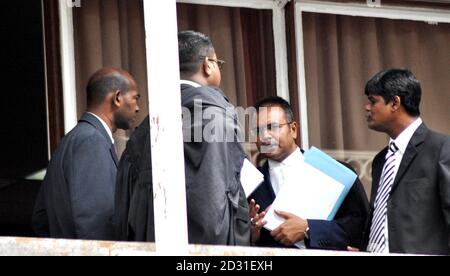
(76, 199)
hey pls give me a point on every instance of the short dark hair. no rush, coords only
(277, 101)
(102, 82)
(397, 82)
(193, 47)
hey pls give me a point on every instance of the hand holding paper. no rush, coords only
(309, 194)
(291, 231)
(315, 191)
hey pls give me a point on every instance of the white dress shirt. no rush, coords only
(191, 83)
(278, 170)
(288, 167)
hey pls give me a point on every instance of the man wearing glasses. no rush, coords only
(216, 204)
(276, 133)
(217, 208)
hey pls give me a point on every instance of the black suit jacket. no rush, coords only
(76, 199)
(134, 189)
(345, 230)
(418, 208)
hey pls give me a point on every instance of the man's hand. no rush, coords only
(256, 219)
(291, 231)
(352, 249)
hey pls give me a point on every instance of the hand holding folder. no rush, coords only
(315, 191)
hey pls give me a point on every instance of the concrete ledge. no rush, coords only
(13, 246)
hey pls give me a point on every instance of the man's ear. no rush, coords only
(396, 103)
(207, 67)
(294, 129)
(117, 100)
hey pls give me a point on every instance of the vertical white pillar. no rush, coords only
(68, 64)
(169, 190)
(281, 65)
(301, 77)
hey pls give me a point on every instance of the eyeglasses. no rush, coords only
(219, 62)
(272, 128)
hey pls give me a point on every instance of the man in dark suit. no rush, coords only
(276, 134)
(217, 210)
(76, 199)
(410, 202)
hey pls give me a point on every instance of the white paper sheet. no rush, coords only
(308, 193)
(251, 178)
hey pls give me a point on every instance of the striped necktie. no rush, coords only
(377, 237)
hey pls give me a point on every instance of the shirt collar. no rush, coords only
(191, 83)
(291, 161)
(403, 139)
(108, 130)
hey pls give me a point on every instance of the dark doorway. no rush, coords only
(23, 133)
(24, 128)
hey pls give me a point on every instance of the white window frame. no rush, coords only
(279, 33)
(68, 64)
(168, 179)
(350, 9)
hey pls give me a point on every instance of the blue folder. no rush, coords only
(333, 169)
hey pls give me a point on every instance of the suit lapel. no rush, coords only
(264, 194)
(377, 170)
(410, 153)
(112, 150)
(265, 171)
(92, 120)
